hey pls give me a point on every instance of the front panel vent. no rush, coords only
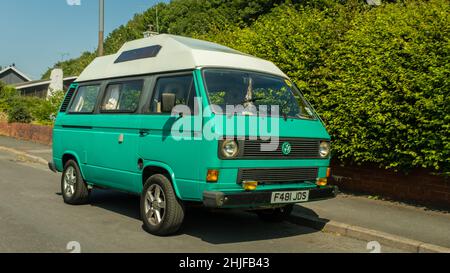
(67, 99)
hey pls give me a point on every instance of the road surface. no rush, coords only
(33, 218)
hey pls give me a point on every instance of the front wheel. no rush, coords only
(73, 187)
(161, 211)
(275, 215)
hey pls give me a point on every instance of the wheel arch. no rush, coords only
(72, 155)
(153, 167)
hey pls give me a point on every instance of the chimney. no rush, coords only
(56, 81)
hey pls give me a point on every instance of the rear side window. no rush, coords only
(181, 86)
(85, 99)
(122, 97)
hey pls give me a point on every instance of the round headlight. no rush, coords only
(324, 148)
(230, 148)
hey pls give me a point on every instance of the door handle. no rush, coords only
(144, 132)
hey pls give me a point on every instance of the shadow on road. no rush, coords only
(118, 202)
(234, 226)
(212, 226)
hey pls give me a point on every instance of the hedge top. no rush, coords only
(162, 53)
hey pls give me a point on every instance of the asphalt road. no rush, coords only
(33, 218)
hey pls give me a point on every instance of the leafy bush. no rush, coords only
(7, 93)
(387, 88)
(44, 111)
(19, 112)
(3, 117)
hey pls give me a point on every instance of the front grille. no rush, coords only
(300, 148)
(278, 175)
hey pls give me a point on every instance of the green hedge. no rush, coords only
(28, 109)
(388, 87)
(379, 77)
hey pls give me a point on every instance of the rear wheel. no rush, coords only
(73, 187)
(275, 215)
(161, 211)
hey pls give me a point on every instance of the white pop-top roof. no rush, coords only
(176, 53)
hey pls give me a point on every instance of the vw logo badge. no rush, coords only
(286, 148)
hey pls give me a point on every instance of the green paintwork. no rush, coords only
(106, 162)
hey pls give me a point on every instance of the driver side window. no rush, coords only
(181, 86)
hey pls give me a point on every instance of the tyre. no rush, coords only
(161, 211)
(275, 215)
(73, 187)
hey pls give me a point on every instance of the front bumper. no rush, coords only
(252, 199)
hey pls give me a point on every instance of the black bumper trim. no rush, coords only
(52, 167)
(218, 199)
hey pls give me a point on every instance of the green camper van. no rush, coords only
(179, 122)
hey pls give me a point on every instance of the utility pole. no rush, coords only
(101, 29)
(157, 19)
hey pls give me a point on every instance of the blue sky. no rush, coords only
(36, 33)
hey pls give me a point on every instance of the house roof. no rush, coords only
(39, 83)
(171, 53)
(15, 70)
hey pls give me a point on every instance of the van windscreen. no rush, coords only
(244, 88)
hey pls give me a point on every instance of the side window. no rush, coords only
(122, 97)
(182, 86)
(85, 99)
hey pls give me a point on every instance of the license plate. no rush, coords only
(282, 197)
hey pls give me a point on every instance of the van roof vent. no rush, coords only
(139, 53)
